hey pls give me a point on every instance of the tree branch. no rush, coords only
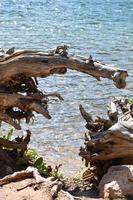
(19, 93)
(42, 64)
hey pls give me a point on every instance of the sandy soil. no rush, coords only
(27, 191)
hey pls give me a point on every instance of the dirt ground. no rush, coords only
(26, 190)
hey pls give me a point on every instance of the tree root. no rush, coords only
(19, 144)
(108, 141)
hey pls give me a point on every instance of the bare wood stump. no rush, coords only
(108, 141)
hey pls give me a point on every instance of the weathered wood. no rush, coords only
(16, 176)
(110, 140)
(19, 93)
(12, 144)
(18, 144)
(41, 64)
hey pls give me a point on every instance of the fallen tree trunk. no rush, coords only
(108, 141)
(19, 94)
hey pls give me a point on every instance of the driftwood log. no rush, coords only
(19, 93)
(108, 141)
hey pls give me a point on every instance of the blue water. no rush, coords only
(102, 28)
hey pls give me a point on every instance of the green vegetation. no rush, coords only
(79, 176)
(130, 101)
(9, 135)
(37, 161)
(30, 157)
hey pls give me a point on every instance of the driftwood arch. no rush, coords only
(19, 93)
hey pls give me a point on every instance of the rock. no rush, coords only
(117, 183)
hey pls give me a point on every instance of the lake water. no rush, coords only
(102, 28)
